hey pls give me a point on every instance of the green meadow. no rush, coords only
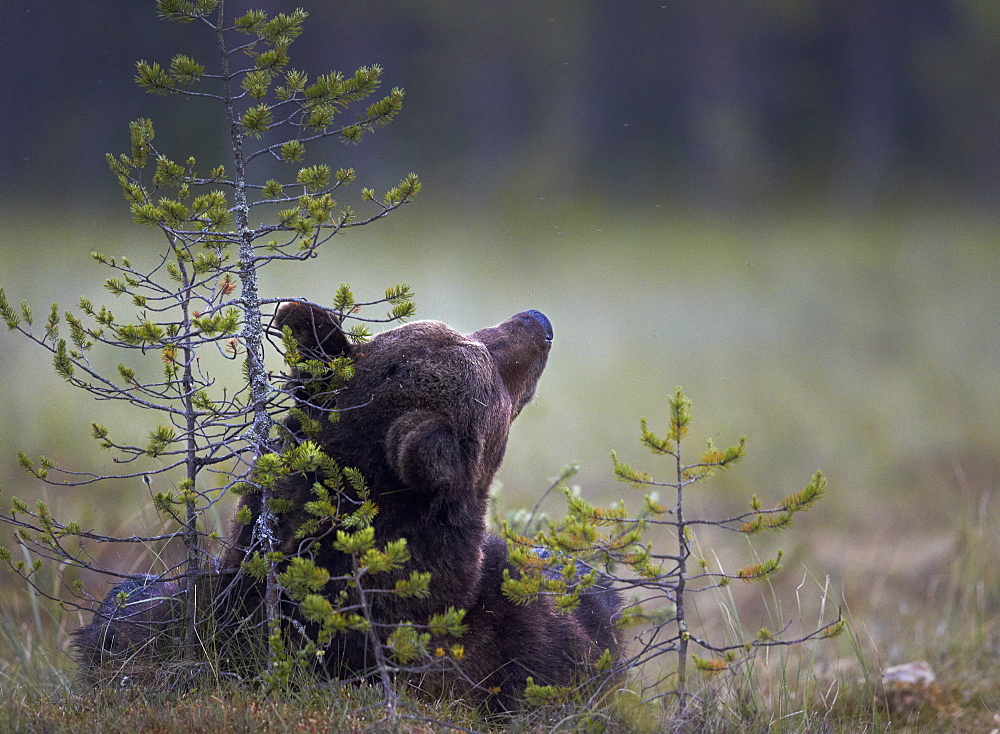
(864, 347)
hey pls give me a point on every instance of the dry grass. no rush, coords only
(946, 612)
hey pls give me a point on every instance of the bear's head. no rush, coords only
(428, 409)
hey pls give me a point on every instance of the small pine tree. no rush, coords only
(196, 311)
(564, 559)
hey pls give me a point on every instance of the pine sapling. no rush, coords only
(197, 309)
(567, 558)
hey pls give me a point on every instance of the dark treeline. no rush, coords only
(717, 104)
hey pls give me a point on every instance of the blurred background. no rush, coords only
(788, 208)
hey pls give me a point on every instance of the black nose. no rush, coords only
(543, 320)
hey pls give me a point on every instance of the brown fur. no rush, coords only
(425, 419)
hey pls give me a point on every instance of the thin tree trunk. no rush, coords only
(192, 464)
(683, 551)
(260, 386)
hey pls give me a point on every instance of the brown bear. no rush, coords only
(425, 418)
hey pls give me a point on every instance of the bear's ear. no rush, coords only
(423, 450)
(314, 328)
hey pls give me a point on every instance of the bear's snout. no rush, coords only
(519, 348)
(543, 320)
